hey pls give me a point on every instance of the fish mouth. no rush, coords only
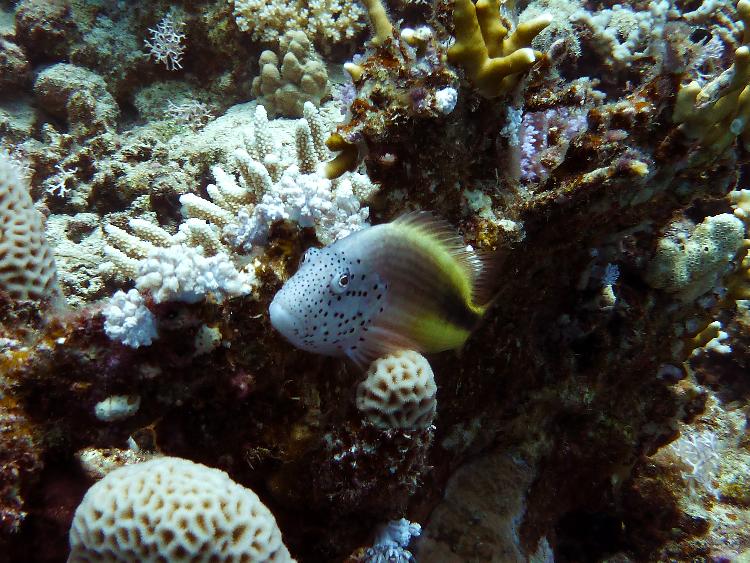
(281, 319)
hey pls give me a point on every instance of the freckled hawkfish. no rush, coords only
(409, 284)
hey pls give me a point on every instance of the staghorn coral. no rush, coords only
(276, 185)
(182, 273)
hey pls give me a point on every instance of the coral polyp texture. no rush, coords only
(169, 170)
(717, 112)
(172, 509)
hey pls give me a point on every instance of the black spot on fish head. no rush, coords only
(299, 309)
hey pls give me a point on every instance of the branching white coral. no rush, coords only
(58, 184)
(181, 273)
(275, 177)
(699, 453)
(175, 267)
(283, 186)
(306, 199)
(327, 22)
(166, 42)
(128, 320)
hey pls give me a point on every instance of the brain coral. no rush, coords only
(399, 392)
(171, 509)
(27, 267)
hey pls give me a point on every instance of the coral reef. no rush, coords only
(596, 155)
(492, 59)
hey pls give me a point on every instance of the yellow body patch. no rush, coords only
(437, 334)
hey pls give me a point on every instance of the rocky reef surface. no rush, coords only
(165, 165)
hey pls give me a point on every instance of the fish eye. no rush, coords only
(340, 281)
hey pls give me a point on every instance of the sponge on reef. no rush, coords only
(689, 266)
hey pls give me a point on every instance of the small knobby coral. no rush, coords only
(326, 22)
(284, 86)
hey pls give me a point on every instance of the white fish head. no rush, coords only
(328, 305)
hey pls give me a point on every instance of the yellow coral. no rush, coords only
(381, 26)
(717, 113)
(345, 161)
(492, 59)
(738, 283)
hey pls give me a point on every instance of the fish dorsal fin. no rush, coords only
(475, 265)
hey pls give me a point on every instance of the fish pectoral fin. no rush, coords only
(379, 342)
